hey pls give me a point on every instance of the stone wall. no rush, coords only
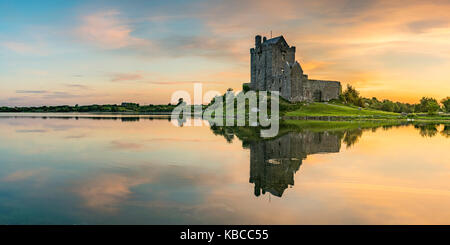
(327, 90)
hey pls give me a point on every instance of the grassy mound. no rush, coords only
(327, 109)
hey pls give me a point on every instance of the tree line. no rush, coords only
(124, 107)
(426, 105)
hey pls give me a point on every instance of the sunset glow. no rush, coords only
(99, 52)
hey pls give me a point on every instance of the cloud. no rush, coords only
(119, 145)
(184, 82)
(106, 30)
(60, 95)
(47, 94)
(230, 16)
(31, 131)
(121, 77)
(79, 136)
(77, 86)
(315, 65)
(42, 97)
(21, 175)
(423, 26)
(23, 48)
(31, 91)
(213, 47)
(326, 25)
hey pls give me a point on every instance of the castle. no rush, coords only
(273, 68)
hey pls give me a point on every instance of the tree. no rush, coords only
(446, 104)
(351, 96)
(429, 105)
(432, 107)
(388, 106)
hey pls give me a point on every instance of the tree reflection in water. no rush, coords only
(427, 130)
(446, 131)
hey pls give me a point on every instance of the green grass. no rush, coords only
(322, 109)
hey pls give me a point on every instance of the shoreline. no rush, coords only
(331, 119)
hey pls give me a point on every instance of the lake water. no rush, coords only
(62, 169)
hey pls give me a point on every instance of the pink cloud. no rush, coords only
(105, 192)
(107, 30)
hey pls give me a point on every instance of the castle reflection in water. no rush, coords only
(273, 163)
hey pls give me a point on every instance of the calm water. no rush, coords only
(107, 170)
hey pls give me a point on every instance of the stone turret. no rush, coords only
(257, 41)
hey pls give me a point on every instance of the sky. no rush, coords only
(100, 52)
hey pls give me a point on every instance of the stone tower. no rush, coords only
(268, 59)
(273, 68)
